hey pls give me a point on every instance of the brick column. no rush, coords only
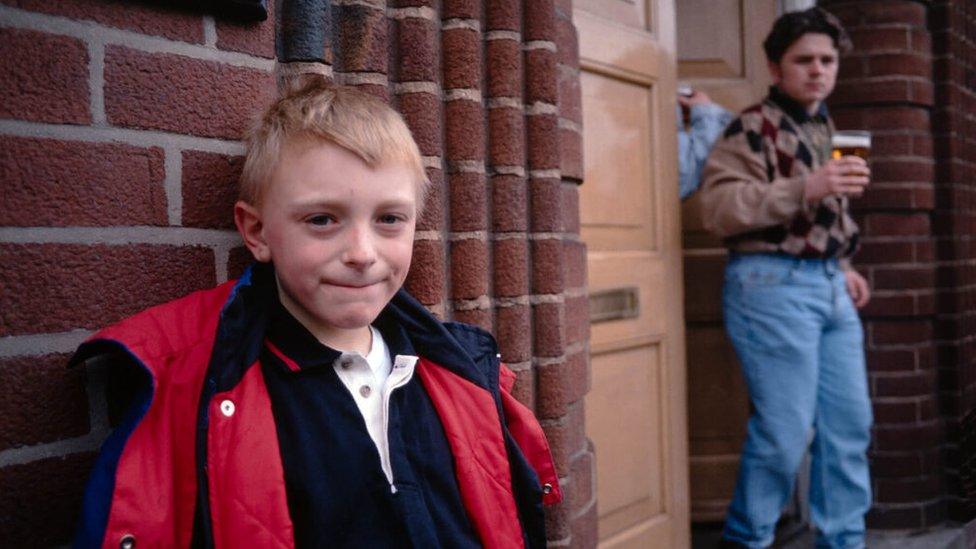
(120, 128)
(917, 224)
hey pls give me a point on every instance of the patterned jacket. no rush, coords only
(753, 194)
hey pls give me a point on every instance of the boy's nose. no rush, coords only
(360, 250)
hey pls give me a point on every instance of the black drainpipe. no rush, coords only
(304, 31)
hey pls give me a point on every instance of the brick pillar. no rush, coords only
(120, 128)
(917, 223)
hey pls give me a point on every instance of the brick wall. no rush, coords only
(119, 154)
(906, 81)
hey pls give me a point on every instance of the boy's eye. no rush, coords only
(319, 220)
(389, 219)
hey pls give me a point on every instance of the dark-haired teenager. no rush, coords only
(780, 203)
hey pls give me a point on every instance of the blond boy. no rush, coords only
(313, 402)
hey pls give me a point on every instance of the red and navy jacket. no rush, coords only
(177, 466)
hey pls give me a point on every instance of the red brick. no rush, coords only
(418, 53)
(41, 400)
(183, 95)
(539, 20)
(43, 78)
(432, 218)
(912, 171)
(561, 384)
(506, 137)
(422, 112)
(426, 278)
(566, 436)
(567, 44)
(546, 204)
(93, 286)
(885, 252)
(462, 58)
(904, 333)
(362, 39)
(503, 15)
(547, 266)
(891, 360)
(914, 277)
(148, 18)
(889, 11)
(895, 118)
(890, 305)
(464, 130)
(888, 90)
(511, 267)
(907, 490)
(895, 465)
(917, 384)
(514, 333)
(877, 39)
(238, 260)
(541, 81)
(577, 319)
(543, 141)
(524, 388)
(902, 438)
(255, 38)
(547, 324)
(503, 68)
(582, 476)
(469, 202)
(895, 412)
(574, 261)
(509, 196)
(469, 269)
(461, 9)
(571, 215)
(898, 225)
(49, 182)
(475, 317)
(584, 529)
(571, 154)
(570, 97)
(559, 522)
(41, 500)
(413, 3)
(210, 189)
(899, 64)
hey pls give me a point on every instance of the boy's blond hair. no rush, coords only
(353, 120)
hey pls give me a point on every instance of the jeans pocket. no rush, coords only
(759, 273)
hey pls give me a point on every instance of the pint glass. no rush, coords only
(850, 143)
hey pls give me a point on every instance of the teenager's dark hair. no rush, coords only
(791, 26)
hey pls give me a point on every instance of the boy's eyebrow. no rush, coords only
(342, 205)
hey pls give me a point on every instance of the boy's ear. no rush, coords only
(249, 224)
(774, 71)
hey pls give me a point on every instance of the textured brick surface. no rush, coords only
(179, 94)
(543, 142)
(511, 258)
(257, 38)
(362, 39)
(461, 9)
(50, 182)
(506, 142)
(417, 44)
(92, 286)
(464, 130)
(157, 19)
(422, 112)
(210, 189)
(541, 80)
(469, 202)
(514, 332)
(462, 58)
(43, 78)
(503, 15)
(562, 384)
(42, 500)
(426, 278)
(547, 266)
(41, 400)
(509, 195)
(432, 217)
(504, 68)
(469, 269)
(547, 320)
(546, 199)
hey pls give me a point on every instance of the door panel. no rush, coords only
(720, 52)
(635, 410)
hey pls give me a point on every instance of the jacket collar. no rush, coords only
(408, 326)
(795, 110)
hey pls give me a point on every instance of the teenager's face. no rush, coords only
(339, 232)
(808, 70)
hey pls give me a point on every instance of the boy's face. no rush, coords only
(339, 232)
(807, 71)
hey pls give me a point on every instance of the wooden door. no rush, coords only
(635, 410)
(720, 52)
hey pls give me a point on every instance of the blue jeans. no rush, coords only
(800, 342)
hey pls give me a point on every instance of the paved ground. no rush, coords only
(952, 537)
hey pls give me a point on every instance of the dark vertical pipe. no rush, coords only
(305, 31)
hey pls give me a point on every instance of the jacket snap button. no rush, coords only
(365, 390)
(128, 541)
(227, 408)
(547, 488)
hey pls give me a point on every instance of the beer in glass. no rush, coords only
(850, 143)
